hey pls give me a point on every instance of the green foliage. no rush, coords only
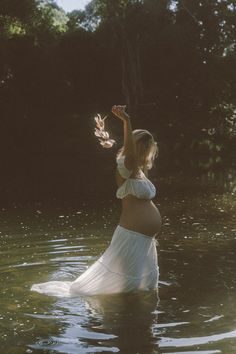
(172, 62)
(53, 17)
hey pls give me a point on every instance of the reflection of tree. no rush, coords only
(130, 317)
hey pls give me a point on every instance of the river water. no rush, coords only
(194, 310)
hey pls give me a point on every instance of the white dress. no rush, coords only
(129, 263)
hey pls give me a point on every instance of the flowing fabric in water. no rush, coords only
(129, 264)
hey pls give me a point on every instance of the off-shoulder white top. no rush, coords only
(141, 188)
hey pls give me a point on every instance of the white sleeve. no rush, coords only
(123, 171)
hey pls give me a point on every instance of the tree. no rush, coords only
(129, 23)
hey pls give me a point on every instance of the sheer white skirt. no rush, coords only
(129, 264)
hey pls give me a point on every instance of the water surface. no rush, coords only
(194, 310)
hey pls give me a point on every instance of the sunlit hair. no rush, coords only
(146, 149)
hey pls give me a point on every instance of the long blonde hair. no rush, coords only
(146, 149)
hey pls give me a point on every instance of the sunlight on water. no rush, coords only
(194, 311)
(188, 342)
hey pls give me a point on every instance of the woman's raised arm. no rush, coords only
(129, 145)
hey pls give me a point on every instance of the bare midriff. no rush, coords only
(140, 215)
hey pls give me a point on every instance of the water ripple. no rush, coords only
(188, 342)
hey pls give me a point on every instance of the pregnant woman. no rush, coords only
(130, 262)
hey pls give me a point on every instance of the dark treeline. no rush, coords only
(172, 62)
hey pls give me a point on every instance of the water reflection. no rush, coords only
(196, 341)
(197, 249)
(117, 323)
(130, 318)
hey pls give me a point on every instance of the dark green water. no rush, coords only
(195, 310)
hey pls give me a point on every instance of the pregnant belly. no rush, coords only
(140, 215)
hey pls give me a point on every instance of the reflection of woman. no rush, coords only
(130, 262)
(130, 320)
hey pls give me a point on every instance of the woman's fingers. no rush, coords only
(119, 111)
(118, 108)
(115, 110)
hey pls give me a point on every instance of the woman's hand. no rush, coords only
(129, 148)
(119, 111)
